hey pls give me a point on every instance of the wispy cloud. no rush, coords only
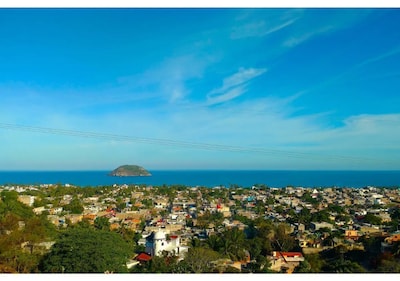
(265, 123)
(234, 85)
(226, 96)
(255, 23)
(345, 75)
(390, 53)
(300, 38)
(316, 22)
(168, 78)
(258, 29)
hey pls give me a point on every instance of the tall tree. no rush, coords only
(233, 243)
(199, 260)
(102, 223)
(282, 240)
(87, 250)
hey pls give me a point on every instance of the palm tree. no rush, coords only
(214, 242)
(233, 244)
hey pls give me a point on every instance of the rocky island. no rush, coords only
(130, 171)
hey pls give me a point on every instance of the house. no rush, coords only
(317, 225)
(74, 218)
(303, 243)
(161, 204)
(27, 199)
(39, 210)
(285, 261)
(158, 243)
(55, 211)
(143, 257)
(394, 237)
(387, 243)
(299, 227)
(351, 234)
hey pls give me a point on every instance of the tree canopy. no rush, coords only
(87, 250)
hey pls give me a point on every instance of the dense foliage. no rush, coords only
(21, 235)
(87, 250)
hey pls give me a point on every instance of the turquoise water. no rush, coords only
(211, 178)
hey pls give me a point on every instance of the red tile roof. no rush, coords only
(289, 254)
(292, 254)
(143, 257)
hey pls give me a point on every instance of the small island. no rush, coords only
(130, 171)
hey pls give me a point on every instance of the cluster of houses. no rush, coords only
(167, 224)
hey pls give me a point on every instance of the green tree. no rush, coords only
(9, 204)
(20, 234)
(214, 242)
(102, 223)
(262, 231)
(315, 262)
(281, 239)
(372, 219)
(87, 250)
(199, 260)
(320, 216)
(389, 266)
(304, 216)
(344, 266)
(75, 206)
(304, 267)
(232, 242)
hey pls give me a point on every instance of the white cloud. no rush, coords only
(380, 128)
(393, 52)
(307, 27)
(265, 123)
(302, 37)
(168, 78)
(233, 86)
(260, 23)
(226, 96)
(242, 76)
(258, 29)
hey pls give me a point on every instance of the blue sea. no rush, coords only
(213, 178)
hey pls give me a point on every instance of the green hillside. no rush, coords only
(130, 171)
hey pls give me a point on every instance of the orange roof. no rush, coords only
(114, 226)
(289, 254)
(89, 216)
(143, 257)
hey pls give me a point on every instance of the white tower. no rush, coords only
(160, 242)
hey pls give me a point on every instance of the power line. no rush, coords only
(176, 143)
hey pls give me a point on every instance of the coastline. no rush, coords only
(211, 178)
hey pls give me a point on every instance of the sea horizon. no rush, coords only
(209, 178)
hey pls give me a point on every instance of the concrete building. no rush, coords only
(26, 199)
(285, 261)
(158, 243)
(317, 225)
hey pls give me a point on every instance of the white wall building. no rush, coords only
(157, 244)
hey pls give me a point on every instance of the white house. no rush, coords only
(157, 243)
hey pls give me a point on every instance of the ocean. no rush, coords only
(227, 178)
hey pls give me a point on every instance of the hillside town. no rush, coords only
(169, 221)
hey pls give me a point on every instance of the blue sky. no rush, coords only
(200, 88)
